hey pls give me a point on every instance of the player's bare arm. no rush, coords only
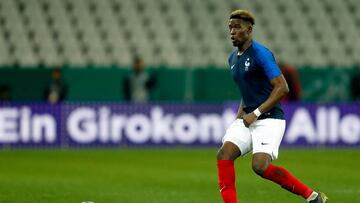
(280, 89)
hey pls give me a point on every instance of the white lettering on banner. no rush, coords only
(186, 128)
(321, 121)
(86, 125)
(350, 129)
(25, 124)
(138, 128)
(44, 125)
(104, 130)
(117, 124)
(334, 117)
(20, 125)
(82, 126)
(329, 127)
(8, 125)
(161, 126)
(228, 117)
(209, 125)
(301, 126)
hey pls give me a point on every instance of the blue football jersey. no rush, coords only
(252, 71)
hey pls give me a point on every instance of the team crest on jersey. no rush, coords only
(247, 64)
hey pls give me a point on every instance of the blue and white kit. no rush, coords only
(252, 71)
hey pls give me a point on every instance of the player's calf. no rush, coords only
(287, 181)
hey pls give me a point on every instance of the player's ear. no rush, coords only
(250, 29)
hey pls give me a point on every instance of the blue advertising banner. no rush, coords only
(328, 124)
(121, 125)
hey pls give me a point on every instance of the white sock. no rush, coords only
(312, 196)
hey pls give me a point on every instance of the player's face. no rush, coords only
(239, 31)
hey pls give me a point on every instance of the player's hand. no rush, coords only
(248, 119)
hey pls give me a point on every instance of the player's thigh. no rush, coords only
(228, 151)
(267, 135)
(239, 135)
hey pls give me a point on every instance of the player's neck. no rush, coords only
(244, 46)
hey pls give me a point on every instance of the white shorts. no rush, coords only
(262, 136)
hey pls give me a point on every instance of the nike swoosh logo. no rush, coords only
(232, 66)
(222, 188)
(264, 143)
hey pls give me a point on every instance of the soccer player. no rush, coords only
(260, 123)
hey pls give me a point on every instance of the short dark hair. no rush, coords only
(244, 15)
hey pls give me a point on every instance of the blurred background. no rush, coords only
(137, 53)
(185, 43)
(154, 73)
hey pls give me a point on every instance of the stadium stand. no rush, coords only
(173, 33)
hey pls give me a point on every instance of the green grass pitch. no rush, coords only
(180, 175)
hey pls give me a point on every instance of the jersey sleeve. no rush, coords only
(267, 61)
(230, 58)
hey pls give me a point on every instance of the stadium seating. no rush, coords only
(173, 32)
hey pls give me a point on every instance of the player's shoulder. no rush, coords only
(260, 49)
(261, 53)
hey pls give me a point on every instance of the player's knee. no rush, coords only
(260, 163)
(259, 167)
(224, 154)
(221, 154)
(228, 151)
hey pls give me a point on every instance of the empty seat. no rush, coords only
(188, 32)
